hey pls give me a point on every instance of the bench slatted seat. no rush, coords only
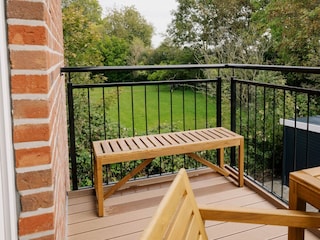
(149, 147)
(179, 217)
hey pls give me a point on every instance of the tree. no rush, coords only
(295, 29)
(206, 22)
(137, 52)
(169, 54)
(128, 24)
(114, 50)
(221, 31)
(81, 19)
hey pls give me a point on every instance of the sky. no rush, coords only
(158, 13)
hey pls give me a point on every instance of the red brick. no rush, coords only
(29, 60)
(49, 35)
(29, 84)
(33, 157)
(32, 35)
(36, 224)
(35, 179)
(31, 132)
(30, 109)
(33, 202)
(26, 10)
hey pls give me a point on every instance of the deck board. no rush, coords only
(129, 211)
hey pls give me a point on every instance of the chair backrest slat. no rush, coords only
(177, 216)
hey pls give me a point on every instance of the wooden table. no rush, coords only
(304, 188)
(151, 146)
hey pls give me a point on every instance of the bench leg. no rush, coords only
(209, 164)
(99, 186)
(127, 177)
(221, 157)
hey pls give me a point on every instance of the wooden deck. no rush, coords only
(129, 211)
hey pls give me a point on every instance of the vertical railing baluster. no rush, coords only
(90, 132)
(273, 138)
(264, 136)
(72, 138)
(206, 105)
(159, 125)
(132, 111)
(247, 143)
(159, 117)
(233, 116)
(195, 106)
(283, 172)
(308, 135)
(146, 108)
(171, 107)
(171, 122)
(118, 115)
(183, 107)
(218, 111)
(104, 113)
(219, 101)
(295, 132)
(255, 131)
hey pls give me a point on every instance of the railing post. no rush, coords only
(233, 116)
(72, 139)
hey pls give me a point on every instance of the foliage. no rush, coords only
(81, 19)
(197, 22)
(219, 30)
(130, 39)
(256, 32)
(123, 37)
(295, 30)
(127, 23)
(115, 52)
(168, 54)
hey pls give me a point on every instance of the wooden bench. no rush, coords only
(179, 217)
(151, 146)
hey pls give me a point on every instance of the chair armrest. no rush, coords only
(282, 217)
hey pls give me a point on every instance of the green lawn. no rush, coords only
(146, 107)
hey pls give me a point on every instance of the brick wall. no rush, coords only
(38, 97)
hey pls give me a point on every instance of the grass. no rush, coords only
(144, 108)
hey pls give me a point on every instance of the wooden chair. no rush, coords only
(179, 217)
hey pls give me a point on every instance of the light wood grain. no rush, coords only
(179, 214)
(304, 188)
(152, 146)
(131, 209)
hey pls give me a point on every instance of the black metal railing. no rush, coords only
(249, 99)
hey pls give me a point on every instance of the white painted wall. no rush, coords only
(8, 204)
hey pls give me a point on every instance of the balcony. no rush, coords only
(276, 121)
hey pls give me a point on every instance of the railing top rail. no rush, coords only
(141, 67)
(280, 68)
(142, 83)
(278, 86)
